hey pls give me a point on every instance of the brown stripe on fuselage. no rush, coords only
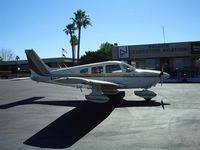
(104, 75)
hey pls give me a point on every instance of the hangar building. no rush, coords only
(180, 59)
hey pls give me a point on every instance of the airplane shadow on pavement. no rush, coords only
(73, 125)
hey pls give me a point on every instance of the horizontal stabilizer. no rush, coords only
(20, 79)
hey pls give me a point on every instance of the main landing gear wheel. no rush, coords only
(119, 96)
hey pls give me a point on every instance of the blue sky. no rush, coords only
(39, 24)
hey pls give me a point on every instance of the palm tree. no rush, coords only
(74, 43)
(81, 20)
(70, 29)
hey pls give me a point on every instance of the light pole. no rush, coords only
(18, 68)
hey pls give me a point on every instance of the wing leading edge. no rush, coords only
(90, 82)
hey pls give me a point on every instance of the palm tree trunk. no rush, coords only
(79, 39)
(73, 59)
(72, 44)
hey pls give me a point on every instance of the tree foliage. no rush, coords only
(106, 49)
(70, 30)
(81, 19)
(104, 53)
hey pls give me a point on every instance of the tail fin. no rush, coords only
(36, 64)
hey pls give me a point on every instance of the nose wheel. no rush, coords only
(146, 94)
(147, 99)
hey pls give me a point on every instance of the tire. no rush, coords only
(147, 99)
(118, 96)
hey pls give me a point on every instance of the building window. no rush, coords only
(113, 69)
(178, 63)
(97, 70)
(150, 63)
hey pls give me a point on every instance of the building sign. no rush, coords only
(163, 50)
(195, 48)
(123, 52)
(160, 50)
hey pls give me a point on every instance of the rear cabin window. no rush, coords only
(84, 71)
(97, 70)
(113, 69)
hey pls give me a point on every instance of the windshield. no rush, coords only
(128, 68)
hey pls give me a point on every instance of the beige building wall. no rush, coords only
(176, 58)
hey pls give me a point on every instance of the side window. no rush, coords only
(113, 69)
(97, 70)
(84, 71)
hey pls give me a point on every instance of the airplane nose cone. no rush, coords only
(166, 75)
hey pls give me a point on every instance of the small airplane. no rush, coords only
(105, 79)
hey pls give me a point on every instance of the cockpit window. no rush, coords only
(128, 68)
(113, 69)
(97, 70)
(84, 71)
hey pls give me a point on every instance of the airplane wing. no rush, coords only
(90, 82)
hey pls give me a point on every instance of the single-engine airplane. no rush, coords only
(105, 79)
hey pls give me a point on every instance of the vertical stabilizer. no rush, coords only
(36, 64)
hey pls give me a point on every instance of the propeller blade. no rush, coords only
(161, 75)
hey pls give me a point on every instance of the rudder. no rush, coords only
(36, 64)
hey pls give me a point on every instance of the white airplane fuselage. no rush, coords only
(103, 78)
(129, 77)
